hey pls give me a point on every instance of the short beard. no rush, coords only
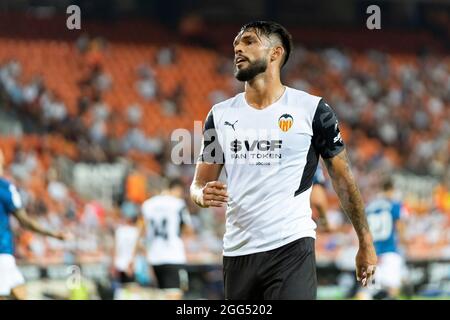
(251, 71)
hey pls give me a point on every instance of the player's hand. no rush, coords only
(214, 194)
(63, 236)
(366, 262)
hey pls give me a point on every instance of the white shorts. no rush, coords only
(389, 272)
(10, 275)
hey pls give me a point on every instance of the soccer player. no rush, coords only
(269, 139)
(125, 239)
(165, 220)
(384, 215)
(12, 282)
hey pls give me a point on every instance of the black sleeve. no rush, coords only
(326, 135)
(211, 150)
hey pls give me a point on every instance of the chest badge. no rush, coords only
(285, 122)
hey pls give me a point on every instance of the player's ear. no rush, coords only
(277, 53)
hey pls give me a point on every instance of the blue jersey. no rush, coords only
(319, 177)
(382, 215)
(9, 202)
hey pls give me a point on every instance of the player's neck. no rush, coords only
(263, 90)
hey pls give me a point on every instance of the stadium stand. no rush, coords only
(101, 100)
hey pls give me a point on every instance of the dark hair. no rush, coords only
(176, 182)
(269, 28)
(387, 184)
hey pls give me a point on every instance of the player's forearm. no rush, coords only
(319, 201)
(33, 225)
(401, 233)
(349, 196)
(353, 206)
(322, 216)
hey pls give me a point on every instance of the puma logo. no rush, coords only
(231, 125)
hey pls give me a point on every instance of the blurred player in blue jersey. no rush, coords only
(384, 215)
(11, 279)
(319, 199)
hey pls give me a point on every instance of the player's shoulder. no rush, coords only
(149, 205)
(315, 103)
(5, 184)
(4, 181)
(300, 94)
(383, 203)
(232, 102)
(396, 204)
(302, 98)
(164, 199)
(176, 202)
(218, 110)
(378, 203)
(150, 201)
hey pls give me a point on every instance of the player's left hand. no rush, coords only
(366, 262)
(63, 236)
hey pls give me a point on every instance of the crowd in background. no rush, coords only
(394, 111)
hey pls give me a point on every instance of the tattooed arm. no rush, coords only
(328, 143)
(345, 186)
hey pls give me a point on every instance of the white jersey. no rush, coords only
(10, 275)
(270, 156)
(125, 239)
(164, 216)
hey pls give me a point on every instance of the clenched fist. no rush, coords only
(213, 194)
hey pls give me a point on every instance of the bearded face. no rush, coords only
(246, 69)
